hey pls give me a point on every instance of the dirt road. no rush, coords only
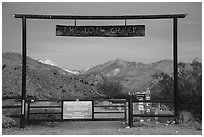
(101, 128)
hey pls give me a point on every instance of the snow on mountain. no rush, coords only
(113, 72)
(72, 71)
(49, 62)
(86, 69)
(116, 71)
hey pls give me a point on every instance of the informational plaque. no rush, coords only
(101, 31)
(77, 110)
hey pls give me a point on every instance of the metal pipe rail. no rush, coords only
(125, 17)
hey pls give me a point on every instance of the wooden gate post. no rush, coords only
(23, 97)
(175, 57)
(130, 111)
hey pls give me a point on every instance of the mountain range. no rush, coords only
(135, 76)
(46, 80)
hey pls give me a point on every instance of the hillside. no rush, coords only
(43, 81)
(135, 76)
(47, 81)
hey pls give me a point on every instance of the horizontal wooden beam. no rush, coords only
(95, 119)
(109, 106)
(11, 97)
(153, 101)
(108, 112)
(11, 106)
(45, 106)
(73, 17)
(13, 116)
(44, 113)
(143, 115)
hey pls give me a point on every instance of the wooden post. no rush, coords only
(130, 112)
(175, 58)
(23, 97)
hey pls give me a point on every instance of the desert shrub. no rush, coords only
(8, 122)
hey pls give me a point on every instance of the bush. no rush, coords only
(8, 122)
(185, 117)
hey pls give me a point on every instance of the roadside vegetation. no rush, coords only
(190, 90)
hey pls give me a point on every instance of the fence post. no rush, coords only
(28, 113)
(175, 59)
(125, 111)
(130, 111)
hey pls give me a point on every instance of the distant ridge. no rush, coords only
(131, 74)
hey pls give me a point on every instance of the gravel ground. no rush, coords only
(103, 128)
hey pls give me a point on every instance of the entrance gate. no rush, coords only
(80, 110)
(118, 31)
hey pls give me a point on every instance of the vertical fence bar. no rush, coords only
(62, 110)
(23, 96)
(28, 113)
(125, 110)
(130, 111)
(175, 58)
(92, 109)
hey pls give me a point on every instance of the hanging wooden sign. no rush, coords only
(101, 31)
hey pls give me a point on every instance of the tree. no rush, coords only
(189, 81)
(165, 86)
(110, 88)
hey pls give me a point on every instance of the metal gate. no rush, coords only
(70, 110)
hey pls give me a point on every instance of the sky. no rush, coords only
(78, 53)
